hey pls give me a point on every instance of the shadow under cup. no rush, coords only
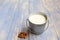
(37, 28)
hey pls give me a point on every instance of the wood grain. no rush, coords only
(13, 15)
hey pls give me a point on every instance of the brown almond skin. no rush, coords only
(23, 35)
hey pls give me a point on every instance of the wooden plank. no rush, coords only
(13, 15)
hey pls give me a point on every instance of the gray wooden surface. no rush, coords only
(13, 14)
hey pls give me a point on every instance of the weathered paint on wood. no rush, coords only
(13, 14)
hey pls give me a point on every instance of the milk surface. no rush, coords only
(37, 19)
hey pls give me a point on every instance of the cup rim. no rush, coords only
(38, 13)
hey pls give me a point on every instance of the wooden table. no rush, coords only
(13, 15)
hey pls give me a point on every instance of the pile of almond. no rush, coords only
(23, 35)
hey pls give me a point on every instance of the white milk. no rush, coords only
(37, 19)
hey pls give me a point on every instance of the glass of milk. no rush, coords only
(37, 22)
